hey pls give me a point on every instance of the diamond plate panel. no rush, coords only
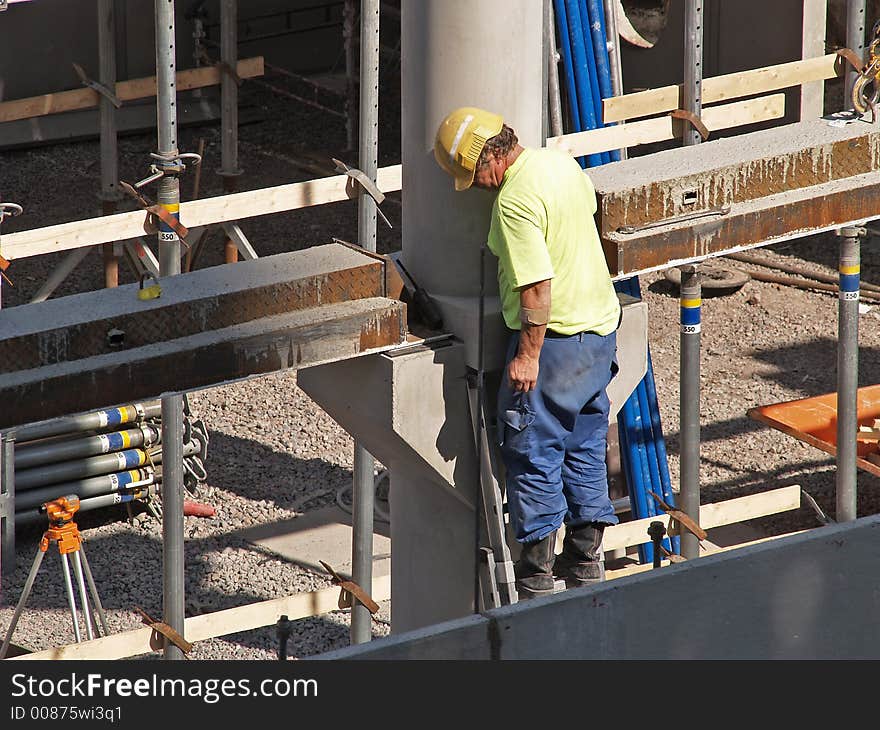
(201, 314)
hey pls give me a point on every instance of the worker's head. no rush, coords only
(460, 143)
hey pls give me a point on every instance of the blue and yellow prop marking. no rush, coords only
(850, 282)
(166, 232)
(690, 315)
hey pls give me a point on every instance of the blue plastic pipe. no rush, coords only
(583, 97)
(599, 38)
(632, 471)
(662, 459)
(594, 96)
(651, 445)
(564, 49)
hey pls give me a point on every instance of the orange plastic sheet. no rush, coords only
(814, 420)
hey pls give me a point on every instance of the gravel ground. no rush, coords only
(763, 344)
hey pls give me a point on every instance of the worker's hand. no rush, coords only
(522, 372)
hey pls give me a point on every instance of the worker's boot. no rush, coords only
(581, 561)
(534, 569)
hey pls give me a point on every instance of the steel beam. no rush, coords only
(115, 321)
(208, 327)
(764, 185)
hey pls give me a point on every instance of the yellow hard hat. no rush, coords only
(460, 140)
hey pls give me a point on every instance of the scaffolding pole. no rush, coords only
(110, 193)
(363, 487)
(229, 107)
(855, 38)
(691, 303)
(848, 372)
(173, 599)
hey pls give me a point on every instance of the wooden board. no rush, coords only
(721, 88)
(210, 625)
(665, 128)
(711, 515)
(65, 101)
(223, 208)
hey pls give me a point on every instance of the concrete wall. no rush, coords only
(807, 596)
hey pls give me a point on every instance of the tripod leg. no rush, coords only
(71, 601)
(99, 609)
(28, 584)
(83, 596)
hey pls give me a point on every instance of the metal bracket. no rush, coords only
(360, 177)
(96, 86)
(349, 590)
(724, 210)
(8, 210)
(173, 165)
(155, 210)
(695, 121)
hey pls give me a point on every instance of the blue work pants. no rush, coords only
(553, 438)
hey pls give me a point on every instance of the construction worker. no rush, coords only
(559, 303)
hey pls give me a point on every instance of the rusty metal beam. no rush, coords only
(770, 185)
(208, 327)
(760, 222)
(96, 323)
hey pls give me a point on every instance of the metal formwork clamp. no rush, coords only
(169, 165)
(8, 210)
(155, 211)
(362, 179)
(693, 119)
(97, 86)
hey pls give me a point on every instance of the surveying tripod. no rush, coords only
(65, 534)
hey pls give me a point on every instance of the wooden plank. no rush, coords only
(220, 209)
(711, 515)
(644, 567)
(210, 625)
(721, 88)
(814, 28)
(665, 128)
(65, 101)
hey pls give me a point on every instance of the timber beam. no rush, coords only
(208, 327)
(695, 202)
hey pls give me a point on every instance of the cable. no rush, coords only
(378, 513)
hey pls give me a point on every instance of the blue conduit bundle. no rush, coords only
(580, 25)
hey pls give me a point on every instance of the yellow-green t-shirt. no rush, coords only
(543, 228)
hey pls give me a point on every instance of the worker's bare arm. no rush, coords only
(523, 369)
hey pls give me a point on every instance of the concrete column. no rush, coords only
(453, 55)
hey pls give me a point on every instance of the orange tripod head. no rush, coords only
(62, 529)
(61, 510)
